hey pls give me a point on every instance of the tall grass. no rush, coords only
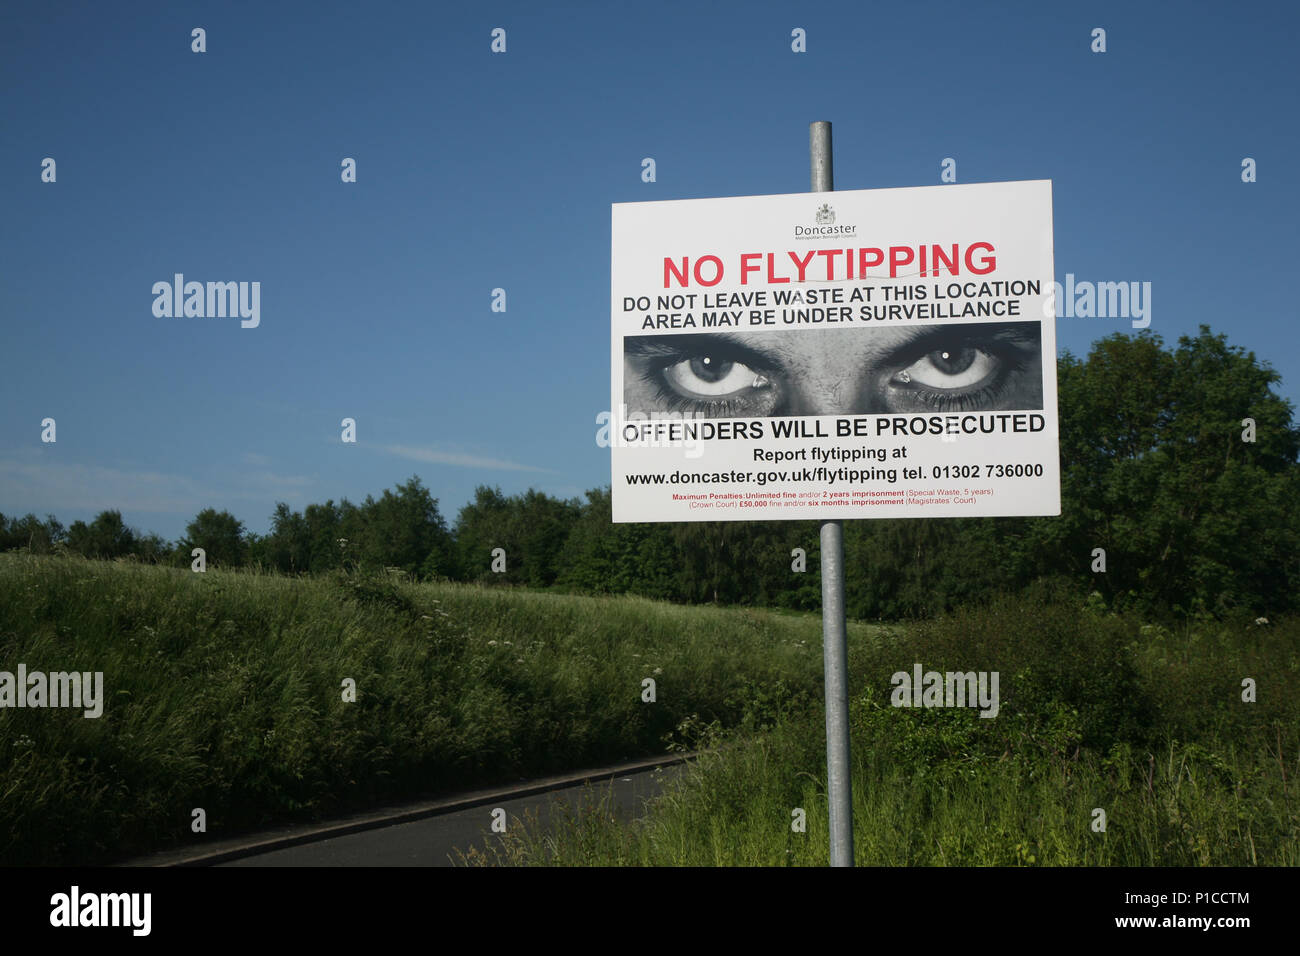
(224, 691)
(1097, 712)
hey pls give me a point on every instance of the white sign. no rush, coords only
(883, 353)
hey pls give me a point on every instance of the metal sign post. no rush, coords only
(743, 338)
(839, 791)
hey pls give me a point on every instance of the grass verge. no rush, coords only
(224, 692)
(1097, 713)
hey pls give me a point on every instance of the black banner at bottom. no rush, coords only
(339, 905)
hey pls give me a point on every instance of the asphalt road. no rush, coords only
(434, 841)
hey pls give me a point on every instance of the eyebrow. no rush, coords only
(745, 348)
(725, 343)
(1016, 333)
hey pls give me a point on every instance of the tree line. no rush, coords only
(1179, 478)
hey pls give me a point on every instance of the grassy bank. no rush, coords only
(224, 691)
(1097, 713)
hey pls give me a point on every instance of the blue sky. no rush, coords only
(479, 170)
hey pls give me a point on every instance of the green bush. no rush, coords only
(224, 691)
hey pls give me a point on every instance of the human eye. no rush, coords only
(968, 368)
(703, 375)
(950, 368)
(710, 376)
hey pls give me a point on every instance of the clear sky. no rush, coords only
(479, 170)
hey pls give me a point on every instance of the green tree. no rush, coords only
(220, 534)
(405, 530)
(626, 558)
(105, 537)
(39, 537)
(325, 535)
(482, 525)
(288, 546)
(531, 528)
(154, 548)
(1155, 473)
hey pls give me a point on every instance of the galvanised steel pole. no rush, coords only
(834, 633)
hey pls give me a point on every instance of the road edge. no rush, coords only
(254, 844)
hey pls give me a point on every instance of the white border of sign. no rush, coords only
(883, 353)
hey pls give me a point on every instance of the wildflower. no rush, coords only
(492, 643)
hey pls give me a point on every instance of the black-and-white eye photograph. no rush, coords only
(841, 371)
